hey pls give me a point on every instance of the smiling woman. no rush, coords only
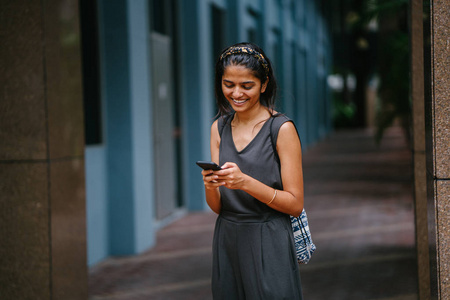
(258, 68)
(253, 193)
(241, 88)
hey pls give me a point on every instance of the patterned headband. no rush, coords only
(249, 51)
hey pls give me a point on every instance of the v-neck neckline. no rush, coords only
(252, 140)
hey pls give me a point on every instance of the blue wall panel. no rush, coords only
(191, 87)
(141, 125)
(96, 204)
(116, 76)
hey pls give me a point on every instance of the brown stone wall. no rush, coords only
(42, 190)
(438, 152)
(430, 82)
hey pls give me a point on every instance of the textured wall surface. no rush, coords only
(42, 189)
(443, 217)
(440, 33)
(441, 87)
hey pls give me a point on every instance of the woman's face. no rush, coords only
(241, 88)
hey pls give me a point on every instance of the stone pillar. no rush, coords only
(437, 119)
(42, 188)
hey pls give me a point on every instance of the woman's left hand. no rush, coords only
(231, 176)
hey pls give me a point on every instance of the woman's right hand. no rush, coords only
(210, 180)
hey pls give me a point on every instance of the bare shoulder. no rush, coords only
(215, 137)
(288, 127)
(215, 128)
(287, 130)
(288, 137)
(215, 125)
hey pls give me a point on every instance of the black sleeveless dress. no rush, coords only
(253, 247)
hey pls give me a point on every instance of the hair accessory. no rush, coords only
(249, 51)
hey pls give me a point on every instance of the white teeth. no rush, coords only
(239, 101)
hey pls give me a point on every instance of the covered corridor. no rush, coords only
(360, 206)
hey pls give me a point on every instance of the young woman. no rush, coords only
(259, 186)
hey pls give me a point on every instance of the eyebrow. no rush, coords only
(245, 82)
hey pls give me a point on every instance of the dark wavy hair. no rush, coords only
(252, 62)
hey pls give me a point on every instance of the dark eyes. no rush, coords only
(245, 87)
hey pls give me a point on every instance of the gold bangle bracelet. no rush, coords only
(273, 198)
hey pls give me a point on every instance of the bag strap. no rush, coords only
(222, 121)
(274, 146)
(302, 228)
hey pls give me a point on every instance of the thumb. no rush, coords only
(228, 165)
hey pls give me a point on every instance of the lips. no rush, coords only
(238, 102)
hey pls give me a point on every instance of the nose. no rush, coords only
(237, 93)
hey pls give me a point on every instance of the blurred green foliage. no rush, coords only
(343, 112)
(393, 65)
(377, 37)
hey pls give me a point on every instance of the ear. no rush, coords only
(264, 86)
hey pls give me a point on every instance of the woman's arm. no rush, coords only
(290, 154)
(290, 199)
(209, 179)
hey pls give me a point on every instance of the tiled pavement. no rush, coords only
(360, 208)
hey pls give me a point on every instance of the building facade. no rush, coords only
(129, 180)
(149, 101)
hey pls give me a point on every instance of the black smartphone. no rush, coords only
(208, 165)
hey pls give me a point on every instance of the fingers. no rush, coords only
(227, 169)
(213, 184)
(229, 165)
(207, 172)
(230, 176)
(210, 179)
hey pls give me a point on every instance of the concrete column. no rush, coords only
(42, 189)
(438, 150)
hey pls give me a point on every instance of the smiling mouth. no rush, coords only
(239, 101)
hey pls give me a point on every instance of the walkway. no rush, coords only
(360, 209)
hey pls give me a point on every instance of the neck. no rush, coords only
(257, 114)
